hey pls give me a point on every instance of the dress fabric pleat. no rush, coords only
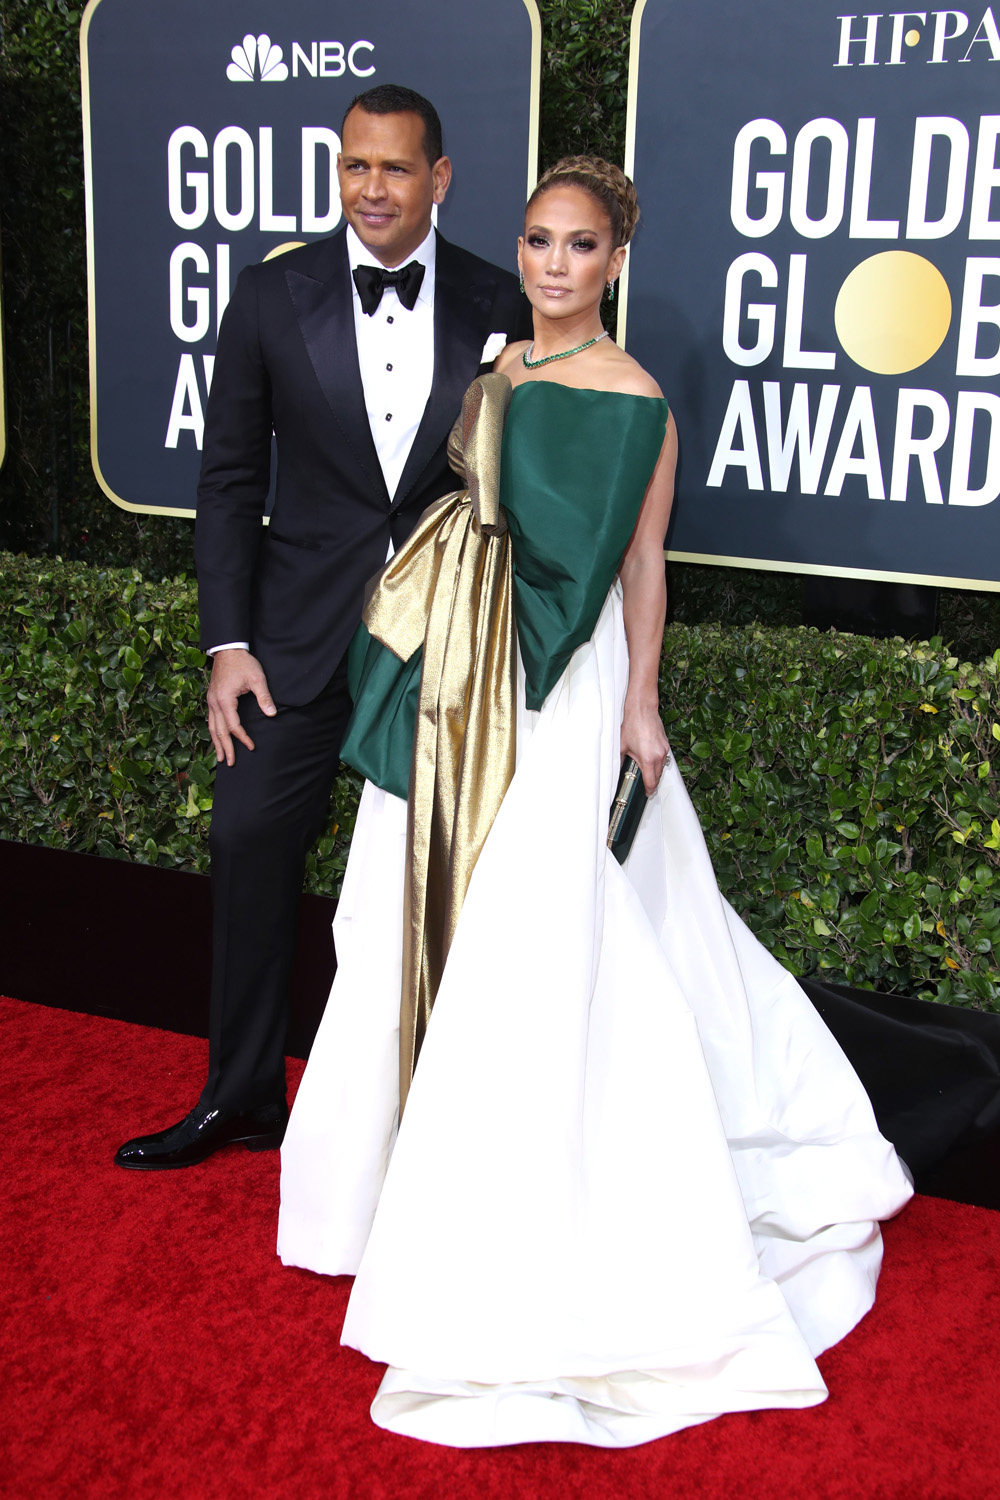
(637, 1183)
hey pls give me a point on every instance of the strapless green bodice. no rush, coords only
(574, 469)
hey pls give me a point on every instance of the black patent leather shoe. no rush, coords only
(202, 1132)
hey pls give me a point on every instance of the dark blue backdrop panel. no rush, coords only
(153, 67)
(879, 136)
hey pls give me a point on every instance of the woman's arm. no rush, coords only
(644, 587)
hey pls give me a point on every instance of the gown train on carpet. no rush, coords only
(637, 1183)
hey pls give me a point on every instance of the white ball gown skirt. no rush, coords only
(637, 1183)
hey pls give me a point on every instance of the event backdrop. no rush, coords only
(210, 134)
(816, 279)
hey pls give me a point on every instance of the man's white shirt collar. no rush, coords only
(426, 252)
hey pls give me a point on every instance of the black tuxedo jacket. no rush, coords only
(287, 361)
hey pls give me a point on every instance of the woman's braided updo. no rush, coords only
(606, 184)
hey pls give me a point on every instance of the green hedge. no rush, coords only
(104, 747)
(849, 793)
(848, 787)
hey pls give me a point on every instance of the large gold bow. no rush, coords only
(449, 589)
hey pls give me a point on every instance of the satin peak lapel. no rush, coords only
(324, 308)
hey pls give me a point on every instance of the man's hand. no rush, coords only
(234, 672)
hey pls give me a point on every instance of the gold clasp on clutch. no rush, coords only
(629, 777)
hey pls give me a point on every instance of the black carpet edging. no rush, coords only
(134, 942)
(932, 1073)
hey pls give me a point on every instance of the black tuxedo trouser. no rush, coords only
(268, 809)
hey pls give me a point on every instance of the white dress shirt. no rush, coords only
(396, 355)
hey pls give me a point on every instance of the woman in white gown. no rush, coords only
(635, 1183)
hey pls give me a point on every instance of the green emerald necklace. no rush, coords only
(535, 364)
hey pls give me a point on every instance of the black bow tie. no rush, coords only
(371, 282)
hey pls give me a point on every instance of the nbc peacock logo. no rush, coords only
(257, 57)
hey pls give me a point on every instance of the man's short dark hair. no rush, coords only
(393, 99)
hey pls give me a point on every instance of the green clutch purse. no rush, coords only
(626, 810)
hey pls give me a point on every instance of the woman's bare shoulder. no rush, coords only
(508, 356)
(625, 374)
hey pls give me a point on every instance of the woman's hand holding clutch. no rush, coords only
(644, 738)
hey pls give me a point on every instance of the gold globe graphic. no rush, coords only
(280, 249)
(893, 312)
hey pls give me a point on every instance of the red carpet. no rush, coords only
(154, 1346)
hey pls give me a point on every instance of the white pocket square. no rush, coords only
(492, 347)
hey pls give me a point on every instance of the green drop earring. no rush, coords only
(611, 291)
(522, 283)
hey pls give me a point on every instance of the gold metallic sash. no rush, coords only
(449, 590)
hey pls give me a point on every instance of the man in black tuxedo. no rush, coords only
(359, 369)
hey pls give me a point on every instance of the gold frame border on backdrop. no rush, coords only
(767, 565)
(630, 112)
(535, 20)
